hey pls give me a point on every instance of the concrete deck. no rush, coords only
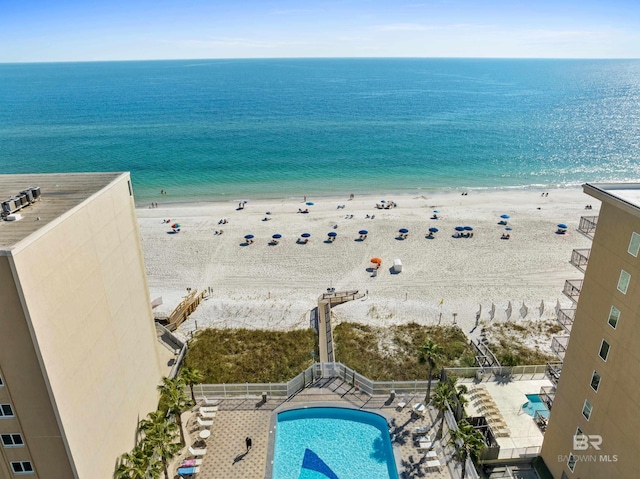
(237, 419)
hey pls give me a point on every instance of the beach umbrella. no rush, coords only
(376, 260)
(175, 226)
(562, 226)
(363, 232)
(403, 230)
(505, 217)
(508, 228)
(248, 236)
(433, 230)
(468, 228)
(305, 235)
(277, 236)
(459, 228)
(436, 211)
(333, 234)
(309, 203)
(383, 201)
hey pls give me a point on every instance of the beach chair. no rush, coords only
(207, 415)
(402, 403)
(204, 424)
(421, 431)
(187, 471)
(210, 402)
(191, 462)
(419, 409)
(433, 465)
(208, 408)
(197, 452)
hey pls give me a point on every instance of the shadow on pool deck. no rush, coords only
(237, 419)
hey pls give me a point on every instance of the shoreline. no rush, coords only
(275, 286)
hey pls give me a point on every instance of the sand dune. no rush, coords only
(263, 286)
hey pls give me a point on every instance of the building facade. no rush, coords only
(593, 428)
(79, 359)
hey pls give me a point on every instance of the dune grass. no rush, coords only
(247, 355)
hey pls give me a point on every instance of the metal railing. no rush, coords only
(553, 371)
(588, 225)
(572, 288)
(580, 258)
(548, 394)
(519, 452)
(565, 318)
(559, 346)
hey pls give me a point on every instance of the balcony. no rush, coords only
(588, 225)
(553, 371)
(565, 318)
(572, 288)
(548, 394)
(580, 258)
(559, 346)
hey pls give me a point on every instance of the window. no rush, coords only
(604, 350)
(623, 281)
(12, 440)
(22, 467)
(634, 244)
(595, 381)
(571, 462)
(614, 317)
(6, 410)
(586, 409)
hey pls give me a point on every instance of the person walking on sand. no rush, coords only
(247, 441)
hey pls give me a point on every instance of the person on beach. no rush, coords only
(248, 442)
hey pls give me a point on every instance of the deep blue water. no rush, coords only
(212, 129)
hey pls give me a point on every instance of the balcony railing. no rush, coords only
(548, 394)
(588, 225)
(559, 346)
(580, 258)
(565, 318)
(553, 372)
(572, 288)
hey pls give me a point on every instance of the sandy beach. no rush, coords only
(274, 286)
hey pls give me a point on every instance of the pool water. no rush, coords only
(535, 404)
(334, 443)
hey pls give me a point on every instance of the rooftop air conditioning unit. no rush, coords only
(35, 190)
(22, 199)
(28, 194)
(10, 205)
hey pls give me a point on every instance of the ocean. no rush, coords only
(229, 129)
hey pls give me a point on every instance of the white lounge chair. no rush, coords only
(208, 408)
(210, 402)
(403, 402)
(421, 430)
(432, 464)
(207, 415)
(197, 452)
(193, 462)
(419, 409)
(205, 424)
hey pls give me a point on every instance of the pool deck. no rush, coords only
(237, 419)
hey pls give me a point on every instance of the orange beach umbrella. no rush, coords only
(376, 260)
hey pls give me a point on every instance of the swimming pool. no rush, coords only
(334, 443)
(535, 404)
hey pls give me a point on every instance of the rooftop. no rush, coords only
(626, 193)
(59, 194)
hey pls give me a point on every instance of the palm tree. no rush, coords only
(174, 400)
(468, 443)
(191, 376)
(443, 394)
(162, 437)
(429, 353)
(138, 464)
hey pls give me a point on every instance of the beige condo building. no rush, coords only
(79, 359)
(593, 428)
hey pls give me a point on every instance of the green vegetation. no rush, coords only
(468, 442)
(245, 355)
(389, 353)
(508, 341)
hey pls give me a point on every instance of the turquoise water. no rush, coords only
(315, 443)
(535, 404)
(229, 129)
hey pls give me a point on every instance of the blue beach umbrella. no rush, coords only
(332, 234)
(305, 235)
(436, 211)
(433, 230)
(363, 232)
(508, 229)
(459, 228)
(277, 236)
(248, 236)
(403, 230)
(309, 203)
(383, 201)
(468, 228)
(562, 226)
(505, 217)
